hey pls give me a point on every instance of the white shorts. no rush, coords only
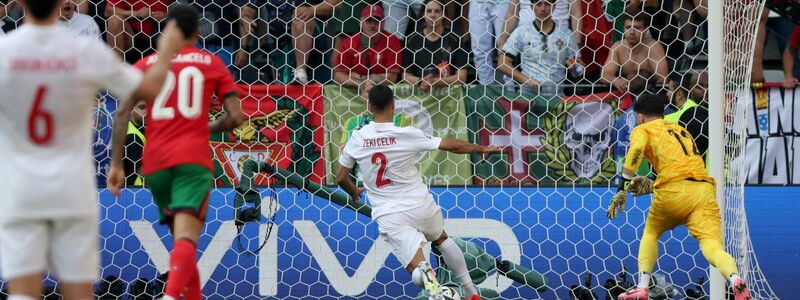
(66, 247)
(408, 231)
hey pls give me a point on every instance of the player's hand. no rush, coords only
(115, 179)
(359, 191)
(617, 203)
(640, 185)
(171, 40)
(490, 149)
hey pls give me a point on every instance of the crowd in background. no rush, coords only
(534, 46)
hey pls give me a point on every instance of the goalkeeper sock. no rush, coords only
(193, 291)
(644, 280)
(454, 259)
(182, 265)
(733, 278)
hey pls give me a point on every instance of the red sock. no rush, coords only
(182, 265)
(193, 290)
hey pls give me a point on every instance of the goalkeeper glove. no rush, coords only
(641, 185)
(617, 202)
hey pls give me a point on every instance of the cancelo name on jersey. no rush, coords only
(186, 58)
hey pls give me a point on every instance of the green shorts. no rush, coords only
(182, 188)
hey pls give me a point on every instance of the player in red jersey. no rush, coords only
(177, 159)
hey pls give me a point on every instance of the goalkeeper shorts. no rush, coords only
(408, 231)
(66, 247)
(686, 202)
(182, 188)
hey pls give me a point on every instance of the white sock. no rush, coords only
(454, 259)
(733, 278)
(19, 297)
(644, 280)
(416, 278)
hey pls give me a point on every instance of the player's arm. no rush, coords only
(344, 182)
(346, 163)
(232, 118)
(169, 44)
(462, 147)
(632, 161)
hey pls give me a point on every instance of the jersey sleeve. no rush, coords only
(346, 158)
(226, 86)
(422, 141)
(111, 73)
(633, 159)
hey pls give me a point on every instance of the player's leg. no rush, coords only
(705, 225)
(451, 253)
(75, 256)
(406, 243)
(23, 257)
(657, 222)
(190, 189)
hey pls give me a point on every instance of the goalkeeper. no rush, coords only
(683, 194)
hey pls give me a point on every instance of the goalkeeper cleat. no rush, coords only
(740, 291)
(634, 294)
(432, 287)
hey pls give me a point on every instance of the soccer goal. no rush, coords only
(531, 219)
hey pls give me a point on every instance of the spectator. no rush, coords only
(80, 24)
(633, 54)
(399, 11)
(615, 9)
(434, 57)
(345, 24)
(566, 13)
(134, 146)
(543, 48)
(370, 57)
(132, 26)
(791, 71)
(220, 32)
(678, 93)
(695, 119)
(486, 24)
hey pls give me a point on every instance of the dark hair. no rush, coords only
(186, 17)
(380, 96)
(40, 9)
(636, 15)
(651, 104)
(681, 81)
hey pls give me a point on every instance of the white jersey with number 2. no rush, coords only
(48, 82)
(387, 157)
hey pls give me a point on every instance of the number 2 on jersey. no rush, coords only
(190, 95)
(380, 158)
(40, 121)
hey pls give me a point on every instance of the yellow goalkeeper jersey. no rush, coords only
(671, 151)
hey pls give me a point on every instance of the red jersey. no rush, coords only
(384, 56)
(147, 26)
(177, 121)
(794, 40)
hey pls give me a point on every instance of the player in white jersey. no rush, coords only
(48, 200)
(404, 209)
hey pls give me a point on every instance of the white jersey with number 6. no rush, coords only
(48, 82)
(387, 157)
